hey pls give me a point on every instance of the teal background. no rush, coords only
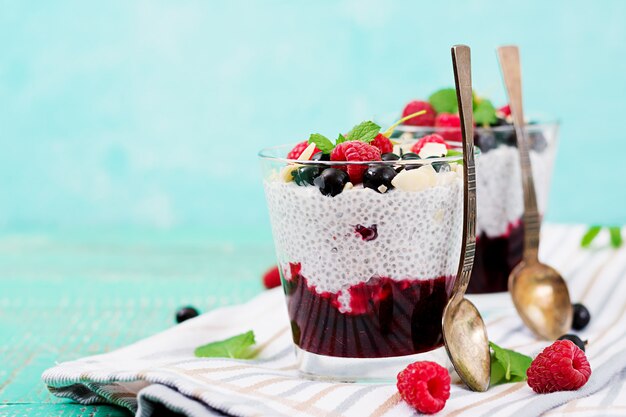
(148, 115)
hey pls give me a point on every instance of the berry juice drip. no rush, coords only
(495, 259)
(387, 317)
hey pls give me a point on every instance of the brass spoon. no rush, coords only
(464, 332)
(539, 292)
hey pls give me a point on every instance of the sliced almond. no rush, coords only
(285, 173)
(307, 153)
(416, 179)
(433, 149)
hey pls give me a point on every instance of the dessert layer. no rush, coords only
(395, 318)
(347, 239)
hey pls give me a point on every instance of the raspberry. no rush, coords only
(451, 121)
(561, 366)
(354, 150)
(427, 119)
(271, 278)
(383, 143)
(434, 138)
(299, 148)
(505, 110)
(425, 386)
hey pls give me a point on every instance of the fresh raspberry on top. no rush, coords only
(505, 110)
(449, 126)
(425, 386)
(383, 143)
(427, 119)
(354, 150)
(271, 278)
(299, 148)
(562, 366)
(434, 138)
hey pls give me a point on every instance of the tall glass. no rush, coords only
(500, 204)
(366, 273)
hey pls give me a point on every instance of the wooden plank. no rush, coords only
(61, 299)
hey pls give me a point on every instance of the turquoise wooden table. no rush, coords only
(66, 296)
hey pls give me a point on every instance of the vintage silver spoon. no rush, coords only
(464, 332)
(538, 291)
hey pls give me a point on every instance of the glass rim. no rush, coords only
(503, 128)
(265, 154)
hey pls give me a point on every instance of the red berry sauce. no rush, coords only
(495, 259)
(387, 317)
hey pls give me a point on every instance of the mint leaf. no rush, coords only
(616, 236)
(497, 373)
(340, 139)
(444, 101)
(365, 132)
(485, 113)
(322, 142)
(513, 364)
(237, 347)
(453, 152)
(589, 236)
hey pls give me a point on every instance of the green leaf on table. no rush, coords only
(616, 236)
(485, 113)
(589, 236)
(365, 132)
(322, 142)
(236, 347)
(507, 365)
(444, 101)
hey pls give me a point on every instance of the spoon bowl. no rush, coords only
(541, 298)
(465, 339)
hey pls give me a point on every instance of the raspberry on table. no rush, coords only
(434, 138)
(271, 278)
(562, 366)
(425, 386)
(383, 143)
(426, 119)
(354, 150)
(299, 148)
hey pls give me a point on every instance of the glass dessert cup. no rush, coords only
(500, 204)
(366, 273)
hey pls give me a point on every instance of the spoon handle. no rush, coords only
(461, 62)
(512, 75)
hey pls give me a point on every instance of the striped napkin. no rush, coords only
(161, 372)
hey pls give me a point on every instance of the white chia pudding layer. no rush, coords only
(418, 232)
(500, 199)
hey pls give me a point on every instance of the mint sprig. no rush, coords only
(236, 347)
(484, 113)
(444, 101)
(590, 235)
(507, 365)
(322, 142)
(364, 132)
(615, 234)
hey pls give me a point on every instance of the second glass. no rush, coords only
(500, 204)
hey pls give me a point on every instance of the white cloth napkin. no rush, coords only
(161, 372)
